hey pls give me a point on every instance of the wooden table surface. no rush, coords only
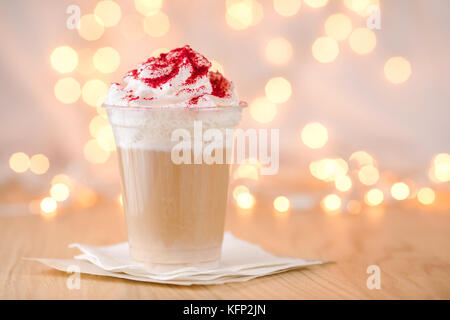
(411, 248)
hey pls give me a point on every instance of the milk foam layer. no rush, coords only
(180, 78)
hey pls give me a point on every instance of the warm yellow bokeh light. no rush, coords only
(96, 124)
(440, 168)
(148, 7)
(39, 164)
(397, 70)
(400, 191)
(131, 27)
(328, 169)
(109, 12)
(278, 90)
(314, 135)
(67, 90)
(94, 153)
(426, 196)
(156, 25)
(106, 60)
(59, 192)
(63, 179)
(238, 190)
(64, 59)
(361, 6)
(105, 138)
(157, 52)
(217, 67)
(91, 27)
(362, 40)
(247, 171)
(343, 183)
(362, 158)
(86, 198)
(263, 110)
(325, 49)
(278, 51)
(19, 162)
(331, 203)
(245, 200)
(338, 26)
(374, 197)
(316, 3)
(281, 204)
(94, 91)
(368, 175)
(239, 14)
(48, 205)
(354, 207)
(287, 8)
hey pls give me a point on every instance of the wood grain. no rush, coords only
(411, 248)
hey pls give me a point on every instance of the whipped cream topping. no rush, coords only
(179, 78)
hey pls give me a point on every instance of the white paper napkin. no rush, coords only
(241, 261)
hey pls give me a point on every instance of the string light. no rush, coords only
(39, 164)
(91, 27)
(331, 203)
(59, 192)
(278, 90)
(94, 153)
(426, 196)
(156, 25)
(109, 12)
(48, 206)
(325, 49)
(338, 26)
(148, 7)
(362, 41)
(245, 201)
(94, 91)
(314, 135)
(64, 59)
(67, 90)
(397, 70)
(287, 8)
(316, 3)
(400, 191)
(19, 162)
(263, 110)
(281, 204)
(106, 60)
(278, 51)
(238, 190)
(354, 207)
(343, 183)
(368, 175)
(374, 197)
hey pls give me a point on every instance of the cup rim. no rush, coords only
(241, 105)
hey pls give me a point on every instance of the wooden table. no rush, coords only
(411, 248)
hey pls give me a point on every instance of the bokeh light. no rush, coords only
(64, 59)
(362, 158)
(48, 206)
(94, 91)
(331, 203)
(343, 183)
(278, 90)
(86, 198)
(96, 124)
(338, 26)
(106, 60)
(67, 90)
(368, 175)
(287, 8)
(426, 196)
(263, 110)
(440, 168)
(94, 153)
(397, 70)
(374, 197)
(328, 169)
(148, 7)
(156, 25)
(62, 179)
(400, 191)
(361, 6)
(91, 27)
(109, 12)
(325, 49)
(245, 200)
(105, 138)
(238, 190)
(362, 40)
(316, 3)
(281, 204)
(314, 135)
(278, 51)
(247, 171)
(19, 162)
(59, 192)
(240, 14)
(39, 164)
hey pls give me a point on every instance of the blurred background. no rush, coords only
(358, 88)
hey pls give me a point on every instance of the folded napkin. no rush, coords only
(241, 261)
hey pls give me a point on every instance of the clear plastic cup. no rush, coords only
(175, 212)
